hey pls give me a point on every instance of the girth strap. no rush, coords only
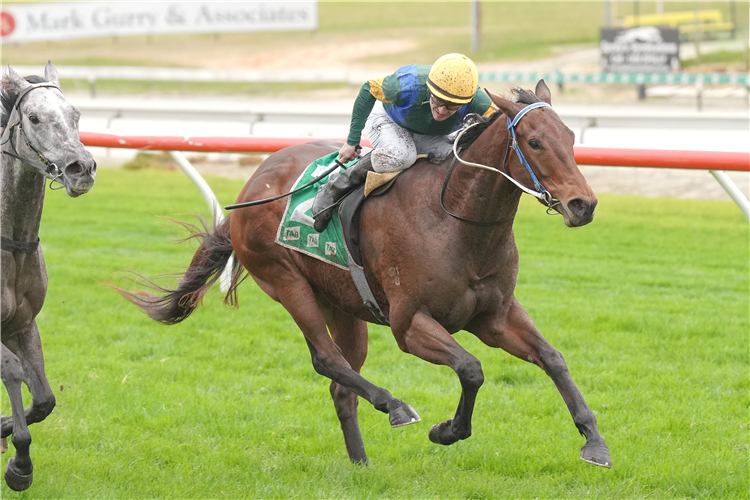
(349, 215)
(19, 246)
(363, 287)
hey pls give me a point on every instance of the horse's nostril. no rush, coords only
(579, 207)
(74, 169)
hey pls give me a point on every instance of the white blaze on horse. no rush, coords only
(40, 141)
(438, 252)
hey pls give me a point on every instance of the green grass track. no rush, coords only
(648, 304)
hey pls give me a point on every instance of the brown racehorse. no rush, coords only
(431, 273)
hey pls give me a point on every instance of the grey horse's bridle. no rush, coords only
(48, 168)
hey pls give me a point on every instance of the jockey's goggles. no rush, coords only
(450, 106)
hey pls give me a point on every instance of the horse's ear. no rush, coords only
(13, 82)
(509, 108)
(50, 73)
(542, 92)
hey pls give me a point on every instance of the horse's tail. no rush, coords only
(173, 305)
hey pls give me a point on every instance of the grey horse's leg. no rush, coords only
(350, 335)
(28, 346)
(426, 339)
(299, 300)
(516, 333)
(19, 472)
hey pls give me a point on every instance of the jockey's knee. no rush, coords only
(390, 159)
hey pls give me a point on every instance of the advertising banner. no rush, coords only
(29, 22)
(649, 49)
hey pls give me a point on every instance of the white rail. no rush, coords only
(253, 113)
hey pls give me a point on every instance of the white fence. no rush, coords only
(336, 118)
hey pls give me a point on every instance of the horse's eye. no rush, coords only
(33, 119)
(535, 144)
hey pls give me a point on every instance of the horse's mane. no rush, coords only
(521, 96)
(8, 98)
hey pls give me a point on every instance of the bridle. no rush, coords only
(540, 191)
(46, 167)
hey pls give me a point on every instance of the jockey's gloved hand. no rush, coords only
(349, 152)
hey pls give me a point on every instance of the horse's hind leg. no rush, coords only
(350, 335)
(516, 334)
(19, 472)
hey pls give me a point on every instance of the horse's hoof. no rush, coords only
(442, 433)
(15, 480)
(403, 415)
(597, 455)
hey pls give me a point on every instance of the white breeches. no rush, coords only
(395, 148)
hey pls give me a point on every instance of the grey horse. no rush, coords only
(40, 141)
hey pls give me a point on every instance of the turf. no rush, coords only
(648, 304)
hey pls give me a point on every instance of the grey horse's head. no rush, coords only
(50, 125)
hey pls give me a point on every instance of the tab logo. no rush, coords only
(291, 233)
(330, 248)
(313, 240)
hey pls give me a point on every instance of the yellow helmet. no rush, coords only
(453, 78)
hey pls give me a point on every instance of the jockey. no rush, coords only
(407, 113)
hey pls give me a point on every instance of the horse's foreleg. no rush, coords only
(19, 472)
(426, 339)
(28, 345)
(298, 299)
(42, 397)
(517, 334)
(350, 334)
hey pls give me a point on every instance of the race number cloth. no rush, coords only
(296, 229)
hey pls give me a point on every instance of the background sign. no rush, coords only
(58, 21)
(642, 49)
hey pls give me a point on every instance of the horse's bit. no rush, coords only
(49, 169)
(541, 192)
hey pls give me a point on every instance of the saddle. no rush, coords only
(350, 212)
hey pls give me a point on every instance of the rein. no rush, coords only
(541, 192)
(47, 168)
(464, 219)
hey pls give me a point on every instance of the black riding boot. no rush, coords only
(335, 189)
